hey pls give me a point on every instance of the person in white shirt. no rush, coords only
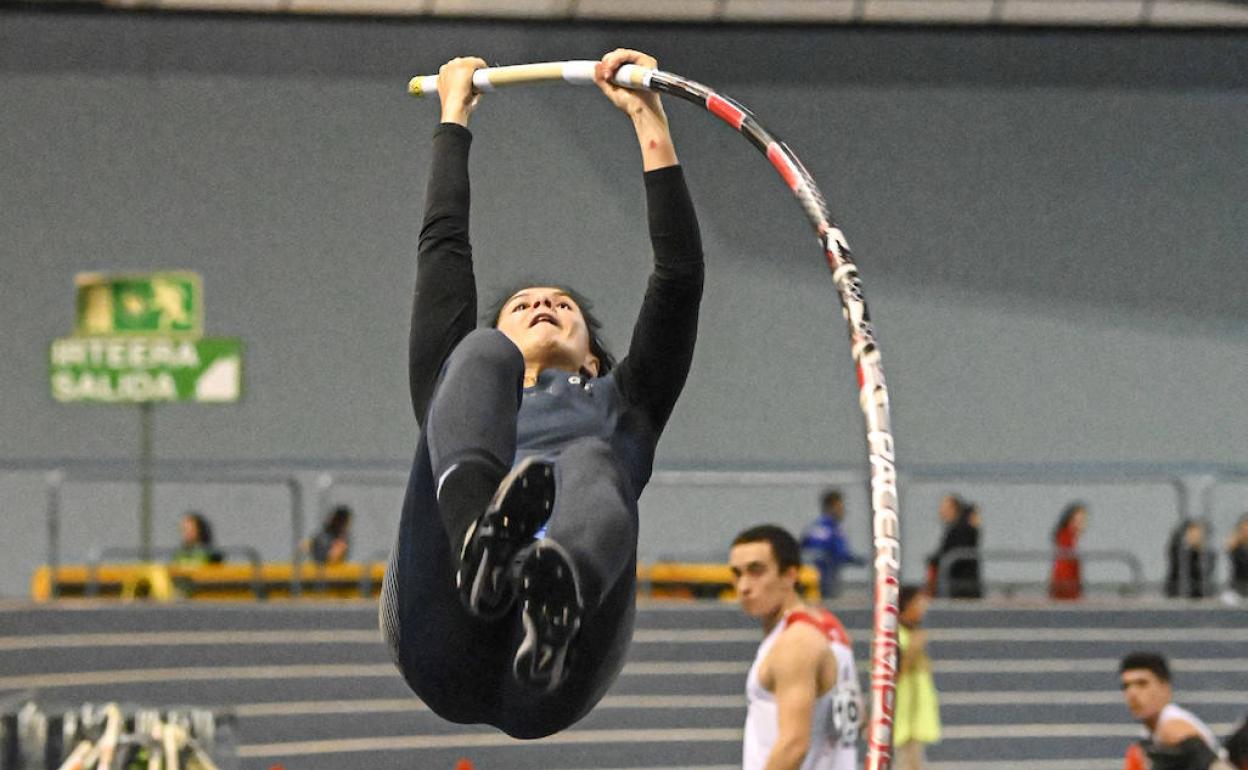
(1176, 738)
(805, 704)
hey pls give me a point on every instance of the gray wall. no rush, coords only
(1051, 226)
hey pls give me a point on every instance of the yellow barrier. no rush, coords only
(227, 581)
(688, 580)
(239, 580)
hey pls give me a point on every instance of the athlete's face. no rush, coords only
(762, 588)
(549, 329)
(1146, 693)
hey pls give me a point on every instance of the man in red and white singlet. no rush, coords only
(804, 699)
(1175, 737)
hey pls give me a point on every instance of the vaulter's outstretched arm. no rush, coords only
(444, 309)
(661, 351)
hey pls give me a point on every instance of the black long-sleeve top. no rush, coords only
(630, 405)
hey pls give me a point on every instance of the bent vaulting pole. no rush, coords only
(872, 391)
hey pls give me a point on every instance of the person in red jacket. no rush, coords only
(1067, 580)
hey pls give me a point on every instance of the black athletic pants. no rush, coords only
(459, 665)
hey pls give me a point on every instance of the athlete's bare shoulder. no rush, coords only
(802, 636)
(800, 652)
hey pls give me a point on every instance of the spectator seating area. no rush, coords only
(311, 686)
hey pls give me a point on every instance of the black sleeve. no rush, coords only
(654, 371)
(963, 535)
(1237, 746)
(1192, 754)
(444, 308)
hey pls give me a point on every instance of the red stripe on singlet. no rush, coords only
(825, 621)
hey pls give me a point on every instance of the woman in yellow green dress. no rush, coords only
(916, 719)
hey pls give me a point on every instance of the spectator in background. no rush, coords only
(1237, 555)
(1066, 581)
(827, 545)
(1190, 562)
(962, 524)
(916, 719)
(195, 548)
(947, 512)
(332, 544)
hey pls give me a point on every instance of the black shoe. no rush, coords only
(551, 610)
(520, 507)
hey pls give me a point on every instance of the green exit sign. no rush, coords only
(167, 304)
(133, 370)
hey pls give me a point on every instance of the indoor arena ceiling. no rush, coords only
(1086, 13)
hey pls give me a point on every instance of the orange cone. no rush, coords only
(463, 764)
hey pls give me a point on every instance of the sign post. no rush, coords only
(138, 339)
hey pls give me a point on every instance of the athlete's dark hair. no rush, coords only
(597, 346)
(1149, 661)
(783, 546)
(1068, 513)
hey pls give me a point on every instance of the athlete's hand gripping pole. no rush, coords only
(579, 73)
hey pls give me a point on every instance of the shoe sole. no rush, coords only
(523, 502)
(551, 613)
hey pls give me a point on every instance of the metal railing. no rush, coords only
(99, 555)
(1219, 477)
(1189, 483)
(954, 556)
(56, 477)
(1194, 485)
